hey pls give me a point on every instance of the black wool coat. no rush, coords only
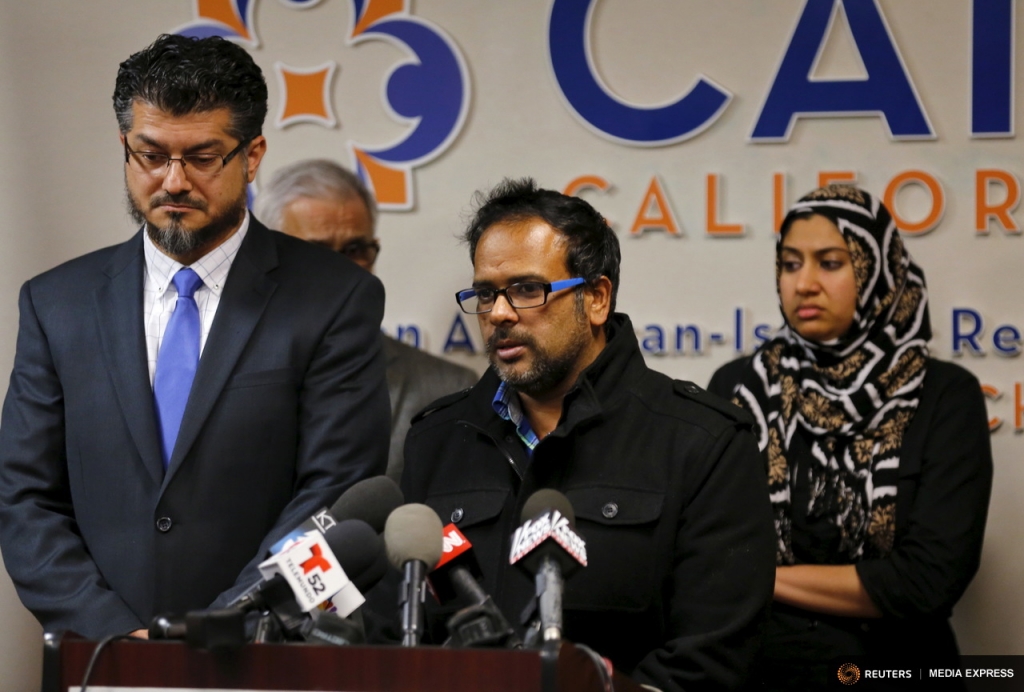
(669, 493)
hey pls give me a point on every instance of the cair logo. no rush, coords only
(796, 90)
(848, 674)
(429, 91)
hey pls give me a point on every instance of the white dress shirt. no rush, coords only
(159, 294)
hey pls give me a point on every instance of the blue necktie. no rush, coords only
(177, 361)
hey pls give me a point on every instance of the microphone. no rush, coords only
(481, 623)
(313, 570)
(364, 561)
(295, 581)
(370, 500)
(547, 547)
(202, 629)
(328, 628)
(456, 556)
(412, 536)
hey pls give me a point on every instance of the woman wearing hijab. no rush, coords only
(878, 456)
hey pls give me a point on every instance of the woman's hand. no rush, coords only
(830, 589)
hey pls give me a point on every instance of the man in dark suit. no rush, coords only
(180, 401)
(319, 201)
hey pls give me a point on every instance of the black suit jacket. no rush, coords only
(415, 379)
(288, 408)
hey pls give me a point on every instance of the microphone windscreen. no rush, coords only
(413, 532)
(370, 500)
(360, 552)
(546, 499)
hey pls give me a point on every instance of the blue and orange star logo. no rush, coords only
(429, 91)
(306, 95)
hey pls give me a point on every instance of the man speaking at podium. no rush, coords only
(178, 402)
(665, 479)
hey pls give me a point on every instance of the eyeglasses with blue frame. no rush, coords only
(525, 294)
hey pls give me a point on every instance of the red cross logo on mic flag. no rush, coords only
(317, 560)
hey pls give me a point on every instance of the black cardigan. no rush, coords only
(942, 502)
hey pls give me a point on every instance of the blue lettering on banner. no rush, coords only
(992, 68)
(967, 327)
(1006, 340)
(969, 334)
(409, 334)
(458, 338)
(572, 62)
(694, 333)
(653, 340)
(887, 91)
(692, 339)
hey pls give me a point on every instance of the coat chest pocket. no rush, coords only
(624, 535)
(261, 378)
(468, 508)
(476, 513)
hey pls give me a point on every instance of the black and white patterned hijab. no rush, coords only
(856, 394)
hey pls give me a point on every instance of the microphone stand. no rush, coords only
(410, 598)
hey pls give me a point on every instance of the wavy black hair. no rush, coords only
(593, 249)
(182, 75)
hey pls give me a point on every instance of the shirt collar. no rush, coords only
(212, 268)
(507, 405)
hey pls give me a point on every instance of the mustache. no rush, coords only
(182, 200)
(502, 333)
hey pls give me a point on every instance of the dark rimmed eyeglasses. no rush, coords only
(525, 294)
(361, 250)
(155, 163)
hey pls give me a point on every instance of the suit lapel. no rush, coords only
(123, 341)
(246, 293)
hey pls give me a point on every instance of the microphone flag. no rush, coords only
(314, 575)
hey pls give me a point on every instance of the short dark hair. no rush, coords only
(183, 75)
(593, 249)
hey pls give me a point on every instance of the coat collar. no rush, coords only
(619, 365)
(122, 332)
(607, 379)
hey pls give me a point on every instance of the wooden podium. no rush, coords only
(297, 667)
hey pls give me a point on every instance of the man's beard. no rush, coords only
(548, 370)
(174, 238)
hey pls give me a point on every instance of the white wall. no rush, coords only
(61, 181)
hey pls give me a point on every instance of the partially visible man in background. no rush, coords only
(319, 201)
(182, 400)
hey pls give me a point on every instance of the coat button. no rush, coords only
(610, 510)
(457, 515)
(691, 388)
(163, 524)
